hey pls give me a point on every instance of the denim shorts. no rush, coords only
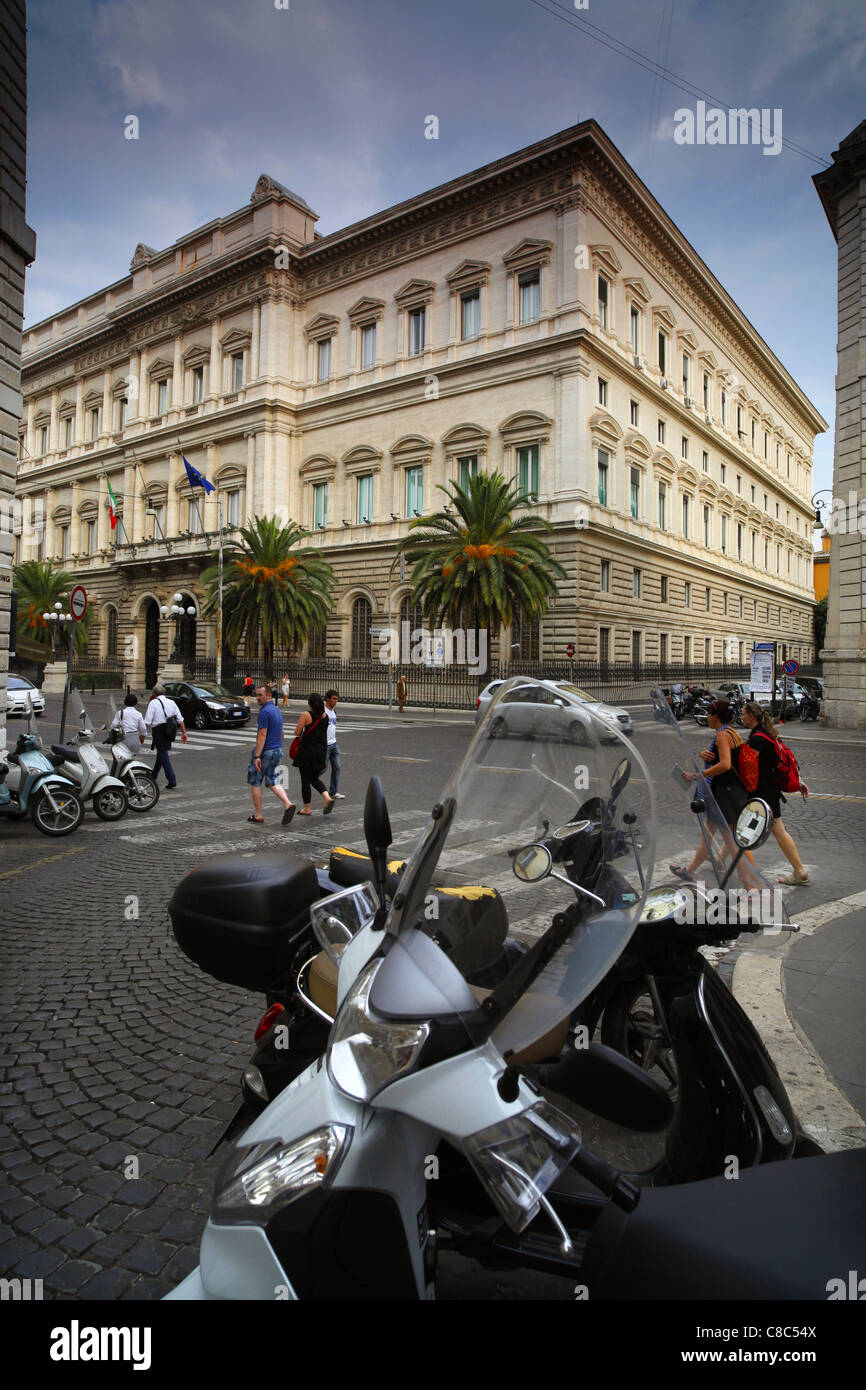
(271, 759)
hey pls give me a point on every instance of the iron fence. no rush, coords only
(458, 687)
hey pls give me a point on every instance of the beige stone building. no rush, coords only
(541, 315)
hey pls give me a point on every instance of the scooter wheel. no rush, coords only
(630, 1026)
(147, 795)
(67, 817)
(110, 803)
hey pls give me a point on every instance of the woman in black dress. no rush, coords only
(762, 737)
(727, 789)
(312, 729)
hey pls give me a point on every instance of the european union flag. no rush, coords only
(196, 479)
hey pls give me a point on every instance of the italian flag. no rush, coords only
(112, 504)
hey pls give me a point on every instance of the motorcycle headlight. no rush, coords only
(264, 1178)
(366, 1053)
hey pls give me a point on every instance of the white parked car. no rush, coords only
(17, 690)
(534, 705)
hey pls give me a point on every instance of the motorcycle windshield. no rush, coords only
(543, 770)
(78, 713)
(691, 822)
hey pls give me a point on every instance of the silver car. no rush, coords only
(535, 706)
(17, 690)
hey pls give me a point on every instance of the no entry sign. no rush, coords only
(569, 651)
(78, 602)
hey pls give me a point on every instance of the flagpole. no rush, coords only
(219, 651)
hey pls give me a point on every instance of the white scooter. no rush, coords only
(142, 789)
(329, 1193)
(85, 766)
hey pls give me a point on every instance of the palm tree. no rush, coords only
(271, 589)
(480, 567)
(39, 586)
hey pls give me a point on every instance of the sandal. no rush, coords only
(795, 880)
(288, 813)
(305, 813)
(256, 820)
(329, 808)
(681, 873)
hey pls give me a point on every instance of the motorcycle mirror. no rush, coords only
(377, 833)
(698, 805)
(754, 824)
(619, 777)
(532, 863)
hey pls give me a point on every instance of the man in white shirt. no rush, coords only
(159, 711)
(331, 698)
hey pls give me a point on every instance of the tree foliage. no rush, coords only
(39, 586)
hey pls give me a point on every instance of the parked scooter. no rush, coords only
(810, 707)
(29, 782)
(85, 765)
(420, 1065)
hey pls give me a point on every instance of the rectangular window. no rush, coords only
(741, 433)
(602, 391)
(741, 605)
(237, 370)
(754, 435)
(634, 412)
(724, 535)
(320, 506)
(777, 510)
(778, 559)
(754, 543)
(470, 315)
(233, 508)
(687, 362)
(708, 650)
(739, 540)
(157, 529)
(323, 368)
(527, 471)
(707, 401)
(778, 455)
(162, 397)
(122, 405)
(603, 288)
(688, 594)
(635, 648)
(684, 447)
(663, 504)
(635, 583)
(368, 346)
(634, 329)
(195, 517)
(197, 385)
(663, 589)
(64, 542)
(706, 526)
(766, 554)
(726, 605)
(529, 284)
(722, 471)
(687, 650)
(417, 331)
(365, 498)
(90, 538)
(43, 439)
(603, 471)
(753, 492)
(604, 580)
(767, 445)
(739, 483)
(94, 422)
(467, 468)
(604, 645)
(723, 405)
(634, 492)
(414, 491)
(789, 465)
(663, 343)
(661, 431)
(686, 515)
(663, 648)
(709, 594)
(705, 461)
(67, 432)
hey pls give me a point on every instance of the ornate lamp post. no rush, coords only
(176, 613)
(60, 621)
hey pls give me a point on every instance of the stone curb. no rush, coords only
(823, 1110)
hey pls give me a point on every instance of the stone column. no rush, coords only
(129, 483)
(135, 408)
(107, 404)
(250, 490)
(842, 190)
(255, 341)
(50, 532)
(214, 375)
(171, 510)
(102, 524)
(54, 426)
(211, 464)
(177, 376)
(78, 429)
(75, 521)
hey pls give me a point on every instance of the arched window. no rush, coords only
(410, 613)
(111, 633)
(524, 637)
(362, 615)
(318, 643)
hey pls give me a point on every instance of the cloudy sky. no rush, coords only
(330, 97)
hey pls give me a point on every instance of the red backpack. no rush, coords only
(787, 768)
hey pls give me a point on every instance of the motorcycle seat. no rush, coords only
(749, 1239)
(69, 755)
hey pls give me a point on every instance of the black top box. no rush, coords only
(239, 919)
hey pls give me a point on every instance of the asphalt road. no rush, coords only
(116, 1048)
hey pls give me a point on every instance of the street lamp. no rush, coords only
(818, 505)
(54, 620)
(177, 612)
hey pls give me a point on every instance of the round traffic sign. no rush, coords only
(791, 668)
(569, 651)
(78, 602)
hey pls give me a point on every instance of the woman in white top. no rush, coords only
(130, 723)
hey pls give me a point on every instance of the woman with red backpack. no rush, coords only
(764, 740)
(725, 784)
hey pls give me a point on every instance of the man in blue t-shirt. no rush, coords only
(267, 756)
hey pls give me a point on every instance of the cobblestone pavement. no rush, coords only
(119, 1060)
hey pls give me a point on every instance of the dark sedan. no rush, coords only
(206, 705)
